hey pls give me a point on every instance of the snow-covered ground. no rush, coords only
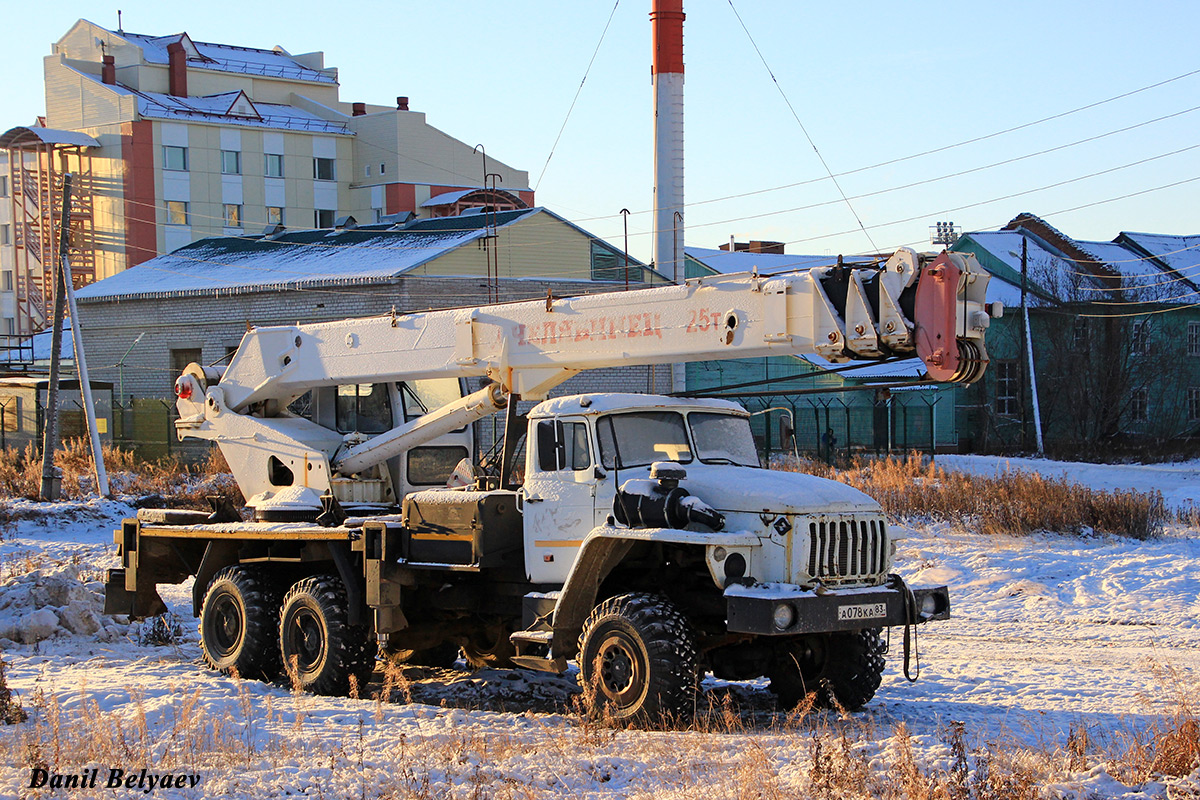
(1050, 634)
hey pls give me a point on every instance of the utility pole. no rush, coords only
(51, 477)
(1037, 412)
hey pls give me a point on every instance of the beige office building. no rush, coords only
(171, 140)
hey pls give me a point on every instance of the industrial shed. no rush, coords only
(143, 325)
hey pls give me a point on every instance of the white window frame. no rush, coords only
(169, 150)
(1008, 388)
(318, 222)
(1193, 339)
(282, 214)
(237, 162)
(1193, 403)
(319, 163)
(237, 219)
(277, 160)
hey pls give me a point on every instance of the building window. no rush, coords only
(274, 215)
(1194, 404)
(6, 281)
(11, 410)
(231, 162)
(608, 264)
(367, 171)
(1139, 405)
(1139, 339)
(274, 165)
(175, 158)
(383, 169)
(323, 169)
(180, 359)
(323, 218)
(1008, 388)
(1079, 340)
(10, 323)
(378, 214)
(233, 215)
(5, 234)
(3, 186)
(1193, 339)
(177, 212)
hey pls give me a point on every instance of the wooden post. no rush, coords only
(51, 478)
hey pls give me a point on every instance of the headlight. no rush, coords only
(783, 616)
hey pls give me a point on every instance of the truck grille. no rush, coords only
(846, 549)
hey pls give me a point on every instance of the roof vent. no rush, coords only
(404, 220)
(108, 71)
(346, 223)
(402, 104)
(274, 231)
(358, 109)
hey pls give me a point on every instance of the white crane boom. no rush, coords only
(911, 304)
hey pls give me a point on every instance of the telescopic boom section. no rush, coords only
(841, 313)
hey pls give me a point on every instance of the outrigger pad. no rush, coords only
(141, 604)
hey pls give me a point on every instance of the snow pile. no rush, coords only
(54, 601)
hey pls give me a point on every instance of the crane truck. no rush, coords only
(638, 535)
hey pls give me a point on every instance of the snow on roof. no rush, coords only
(617, 401)
(447, 198)
(37, 347)
(1180, 253)
(269, 115)
(907, 368)
(744, 261)
(293, 260)
(230, 58)
(46, 136)
(1072, 281)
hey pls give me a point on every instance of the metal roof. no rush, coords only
(22, 135)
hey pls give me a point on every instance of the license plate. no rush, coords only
(864, 611)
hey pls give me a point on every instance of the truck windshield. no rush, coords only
(641, 438)
(723, 439)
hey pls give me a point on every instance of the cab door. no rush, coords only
(559, 496)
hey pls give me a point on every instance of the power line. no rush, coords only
(578, 91)
(796, 117)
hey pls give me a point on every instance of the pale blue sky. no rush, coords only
(871, 81)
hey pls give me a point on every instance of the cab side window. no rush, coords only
(562, 446)
(364, 408)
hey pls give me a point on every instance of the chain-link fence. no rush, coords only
(832, 428)
(145, 426)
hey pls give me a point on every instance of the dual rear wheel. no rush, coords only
(248, 628)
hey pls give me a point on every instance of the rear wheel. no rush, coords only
(239, 623)
(637, 658)
(839, 670)
(321, 651)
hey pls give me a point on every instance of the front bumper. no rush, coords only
(757, 609)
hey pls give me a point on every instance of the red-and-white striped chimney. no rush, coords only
(666, 22)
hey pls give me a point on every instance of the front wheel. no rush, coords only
(321, 651)
(637, 658)
(839, 670)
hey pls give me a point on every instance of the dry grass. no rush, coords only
(1017, 503)
(169, 478)
(721, 753)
